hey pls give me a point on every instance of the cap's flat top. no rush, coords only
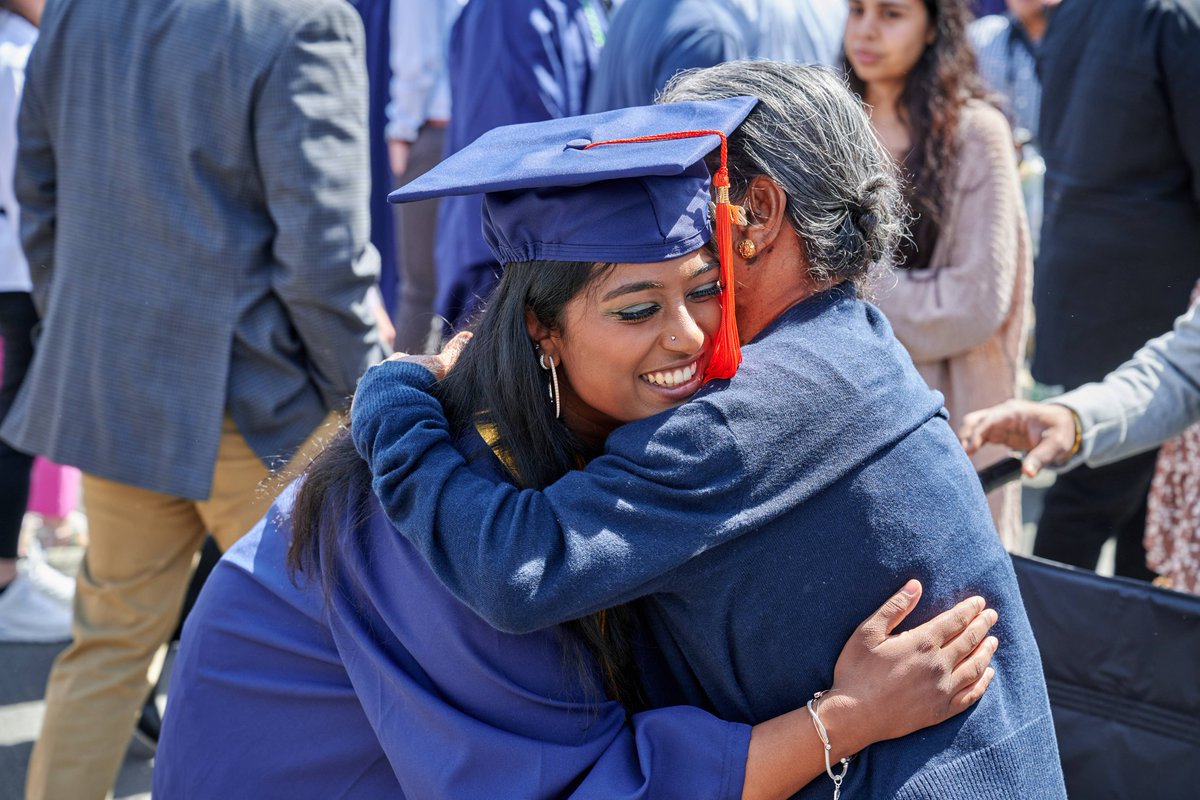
(550, 153)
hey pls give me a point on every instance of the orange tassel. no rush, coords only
(726, 351)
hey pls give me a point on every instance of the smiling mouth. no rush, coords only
(672, 377)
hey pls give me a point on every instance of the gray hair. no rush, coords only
(810, 135)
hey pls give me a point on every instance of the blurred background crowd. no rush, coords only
(197, 260)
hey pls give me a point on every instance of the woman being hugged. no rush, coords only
(958, 303)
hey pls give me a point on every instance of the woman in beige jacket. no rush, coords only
(959, 301)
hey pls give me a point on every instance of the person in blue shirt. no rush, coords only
(324, 659)
(509, 61)
(650, 41)
(757, 521)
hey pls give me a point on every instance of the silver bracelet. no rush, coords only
(821, 732)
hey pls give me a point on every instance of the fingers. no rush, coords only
(972, 694)
(877, 626)
(972, 430)
(961, 646)
(1056, 441)
(1047, 451)
(450, 353)
(949, 624)
(974, 667)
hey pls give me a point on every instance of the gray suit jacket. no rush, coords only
(1144, 402)
(193, 178)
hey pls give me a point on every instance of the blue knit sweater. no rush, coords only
(762, 521)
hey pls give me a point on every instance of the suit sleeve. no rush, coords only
(1152, 397)
(668, 488)
(956, 306)
(310, 125)
(36, 186)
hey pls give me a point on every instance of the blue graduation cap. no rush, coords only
(628, 185)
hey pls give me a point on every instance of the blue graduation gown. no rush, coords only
(395, 689)
(763, 520)
(510, 61)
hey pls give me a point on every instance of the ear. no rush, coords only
(542, 335)
(766, 212)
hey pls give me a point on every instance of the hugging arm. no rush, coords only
(500, 708)
(598, 537)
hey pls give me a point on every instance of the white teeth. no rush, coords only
(672, 378)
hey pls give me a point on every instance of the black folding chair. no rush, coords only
(1122, 664)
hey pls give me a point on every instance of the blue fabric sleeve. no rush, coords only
(464, 711)
(668, 488)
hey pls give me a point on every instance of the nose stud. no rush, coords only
(672, 338)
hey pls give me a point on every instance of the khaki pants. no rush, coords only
(128, 596)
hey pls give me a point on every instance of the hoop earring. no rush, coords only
(553, 382)
(746, 249)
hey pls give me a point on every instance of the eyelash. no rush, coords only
(647, 310)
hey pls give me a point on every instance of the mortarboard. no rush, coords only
(628, 185)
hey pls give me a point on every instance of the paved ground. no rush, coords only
(23, 671)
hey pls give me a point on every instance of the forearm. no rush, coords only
(1149, 399)
(786, 753)
(476, 546)
(524, 559)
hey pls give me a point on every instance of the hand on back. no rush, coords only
(887, 685)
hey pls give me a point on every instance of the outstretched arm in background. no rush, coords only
(1138, 406)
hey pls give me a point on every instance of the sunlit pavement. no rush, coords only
(23, 672)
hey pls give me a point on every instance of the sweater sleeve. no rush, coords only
(964, 299)
(1144, 402)
(668, 488)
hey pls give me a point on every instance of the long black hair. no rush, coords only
(497, 381)
(939, 85)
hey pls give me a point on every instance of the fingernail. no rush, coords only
(993, 615)
(978, 602)
(911, 588)
(993, 643)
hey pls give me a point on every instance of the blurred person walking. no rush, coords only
(1006, 46)
(1120, 135)
(195, 218)
(510, 61)
(417, 114)
(35, 600)
(958, 303)
(650, 41)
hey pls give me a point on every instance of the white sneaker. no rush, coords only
(36, 606)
